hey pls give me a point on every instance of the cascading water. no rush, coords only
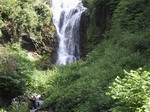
(66, 18)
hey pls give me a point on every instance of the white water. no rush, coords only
(66, 18)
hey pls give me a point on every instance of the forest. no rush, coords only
(112, 75)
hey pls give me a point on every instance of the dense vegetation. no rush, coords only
(28, 21)
(120, 42)
(114, 76)
(24, 24)
(15, 71)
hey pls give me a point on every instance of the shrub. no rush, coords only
(132, 92)
(81, 87)
(28, 18)
(132, 15)
(2, 110)
(23, 107)
(15, 71)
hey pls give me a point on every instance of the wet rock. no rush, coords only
(15, 102)
(35, 103)
(84, 23)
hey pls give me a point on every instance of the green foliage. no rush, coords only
(132, 92)
(25, 18)
(21, 108)
(44, 63)
(15, 71)
(69, 90)
(39, 83)
(2, 110)
(89, 4)
(81, 87)
(132, 15)
(101, 12)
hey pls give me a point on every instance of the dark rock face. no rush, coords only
(103, 16)
(27, 43)
(6, 35)
(61, 19)
(45, 45)
(84, 22)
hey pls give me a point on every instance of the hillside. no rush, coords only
(114, 75)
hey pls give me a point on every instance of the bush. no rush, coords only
(15, 71)
(23, 107)
(2, 110)
(132, 92)
(30, 19)
(101, 12)
(132, 15)
(81, 87)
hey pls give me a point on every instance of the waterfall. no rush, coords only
(66, 18)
